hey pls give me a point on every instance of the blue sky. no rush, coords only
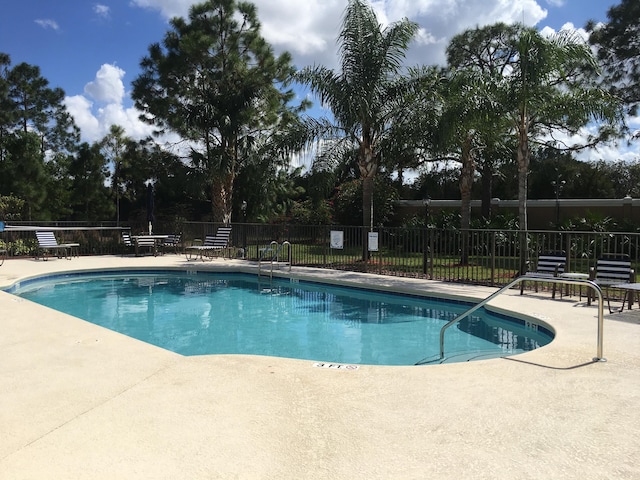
(92, 49)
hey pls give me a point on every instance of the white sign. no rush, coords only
(373, 241)
(337, 239)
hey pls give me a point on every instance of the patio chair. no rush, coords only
(212, 244)
(611, 270)
(144, 242)
(47, 243)
(549, 265)
(172, 242)
(128, 242)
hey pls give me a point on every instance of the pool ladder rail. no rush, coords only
(271, 255)
(523, 278)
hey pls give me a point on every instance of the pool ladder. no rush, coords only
(271, 254)
(525, 278)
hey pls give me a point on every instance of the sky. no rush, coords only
(92, 50)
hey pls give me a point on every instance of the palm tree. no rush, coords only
(469, 122)
(479, 58)
(365, 96)
(549, 91)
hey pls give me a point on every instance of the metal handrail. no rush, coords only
(286, 242)
(275, 256)
(525, 278)
(263, 255)
(269, 249)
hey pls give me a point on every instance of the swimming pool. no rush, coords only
(196, 313)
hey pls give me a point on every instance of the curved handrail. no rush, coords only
(286, 242)
(557, 280)
(269, 249)
(275, 248)
(264, 254)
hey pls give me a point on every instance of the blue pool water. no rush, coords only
(205, 313)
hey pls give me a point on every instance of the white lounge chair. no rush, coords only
(47, 243)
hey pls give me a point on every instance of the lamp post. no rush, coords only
(426, 202)
(558, 186)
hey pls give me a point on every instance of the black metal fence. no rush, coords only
(483, 257)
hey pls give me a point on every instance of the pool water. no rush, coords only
(205, 313)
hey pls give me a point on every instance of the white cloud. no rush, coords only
(168, 8)
(102, 10)
(609, 153)
(128, 118)
(47, 23)
(308, 29)
(108, 91)
(107, 86)
(95, 122)
(569, 27)
(80, 109)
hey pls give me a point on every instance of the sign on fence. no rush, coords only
(337, 239)
(373, 241)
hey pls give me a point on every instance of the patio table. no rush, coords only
(147, 240)
(574, 276)
(629, 292)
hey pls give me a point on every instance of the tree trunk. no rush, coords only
(222, 198)
(487, 188)
(222, 182)
(466, 182)
(523, 174)
(367, 214)
(368, 168)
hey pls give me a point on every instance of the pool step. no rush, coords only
(461, 357)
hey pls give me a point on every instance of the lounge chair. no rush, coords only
(611, 270)
(549, 265)
(172, 242)
(47, 243)
(211, 245)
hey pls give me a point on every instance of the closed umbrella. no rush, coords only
(150, 207)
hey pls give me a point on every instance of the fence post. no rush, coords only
(523, 241)
(493, 258)
(327, 237)
(425, 231)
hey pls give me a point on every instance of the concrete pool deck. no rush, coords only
(82, 402)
